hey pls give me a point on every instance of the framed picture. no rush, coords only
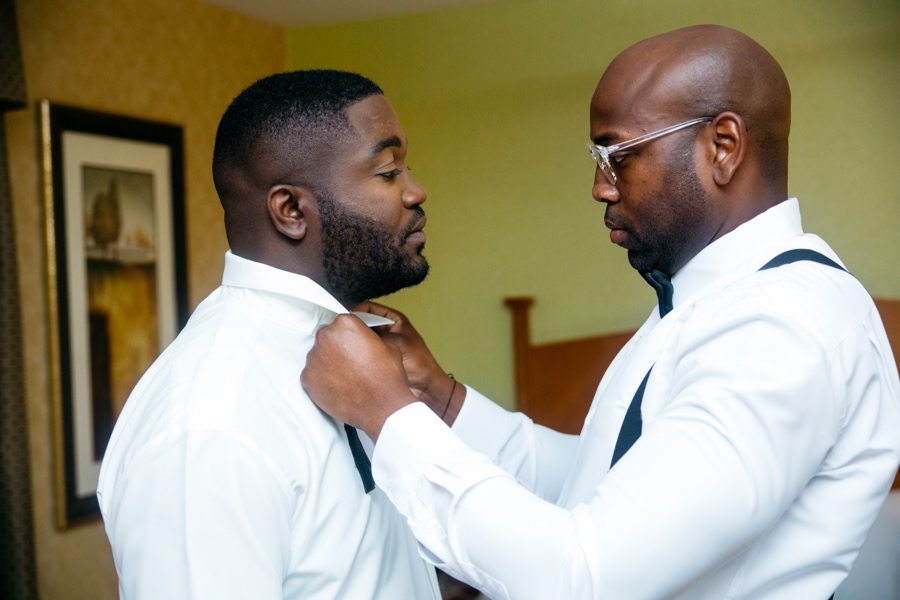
(115, 251)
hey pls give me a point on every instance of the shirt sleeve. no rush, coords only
(538, 457)
(204, 516)
(723, 461)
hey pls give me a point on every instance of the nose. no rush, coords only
(603, 190)
(414, 194)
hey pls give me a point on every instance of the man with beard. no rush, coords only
(741, 443)
(222, 480)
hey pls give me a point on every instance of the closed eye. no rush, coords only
(390, 175)
(618, 158)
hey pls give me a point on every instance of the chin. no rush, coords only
(416, 258)
(640, 262)
(420, 268)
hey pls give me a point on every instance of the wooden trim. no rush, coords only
(520, 307)
(889, 309)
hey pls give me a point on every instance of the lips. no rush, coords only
(618, 233)
(416, 227)
(415, 231)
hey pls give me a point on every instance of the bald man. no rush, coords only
(741, 443)
(221, 479)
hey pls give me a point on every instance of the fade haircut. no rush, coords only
(292, 111)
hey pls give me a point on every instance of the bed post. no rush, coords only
(519, 307)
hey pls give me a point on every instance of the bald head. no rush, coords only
(704, 70)
(681, 191)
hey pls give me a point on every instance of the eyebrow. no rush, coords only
(391, 142)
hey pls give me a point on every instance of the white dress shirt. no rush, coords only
(223, 480)
(770, 439)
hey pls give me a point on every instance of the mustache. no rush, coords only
(416, 223)
(613, 223)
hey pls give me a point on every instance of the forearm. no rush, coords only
(480, 525)
(424, 471)
(475, 522)
(539, 458)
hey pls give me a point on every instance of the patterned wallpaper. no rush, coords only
(12, 83)
(179, 61)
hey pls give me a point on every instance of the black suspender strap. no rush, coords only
(632, 424)
(360, 459)
(790, 256)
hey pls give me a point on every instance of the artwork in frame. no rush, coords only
(115, 254)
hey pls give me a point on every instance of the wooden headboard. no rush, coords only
(555, 382)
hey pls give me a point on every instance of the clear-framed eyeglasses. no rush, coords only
(602, 154)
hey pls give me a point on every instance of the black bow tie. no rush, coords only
(664, 290)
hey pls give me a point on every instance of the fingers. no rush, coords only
(422, 371)
(401, 323)
(348, 340)
(346, 330)
(343, 322)
(379, 309)
(355, 377)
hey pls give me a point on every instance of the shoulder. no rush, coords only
(225, 382)
(806, 298)
(826, 302)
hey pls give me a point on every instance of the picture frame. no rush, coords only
(113, 193)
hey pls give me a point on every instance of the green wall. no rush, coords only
(494, 98)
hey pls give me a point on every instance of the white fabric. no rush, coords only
(769, 442)
(876, 573)
(222, 480)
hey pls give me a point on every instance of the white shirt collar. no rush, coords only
(245, 273)
(746, 248)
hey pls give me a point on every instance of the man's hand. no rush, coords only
(428, 381)
(355, 377)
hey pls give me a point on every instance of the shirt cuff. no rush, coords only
(424, 468)
(476, 415)
(413, 439)
(452, 496)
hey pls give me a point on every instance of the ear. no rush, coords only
(288, 206)
(729, 145)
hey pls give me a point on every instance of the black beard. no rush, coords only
(676, 218)
(360, 258)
